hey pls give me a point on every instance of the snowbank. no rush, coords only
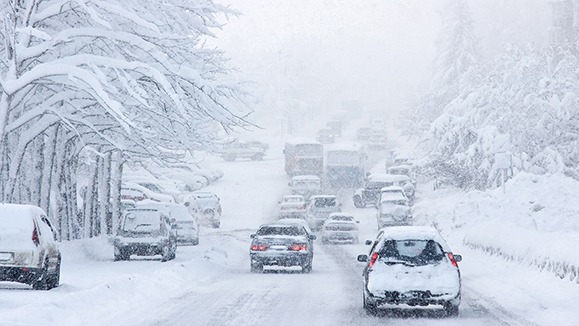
(535, 221)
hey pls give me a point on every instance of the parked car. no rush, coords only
(363, 133)
(206, 207)
(145, 232)
(370, 193)
(292, 206)
(306, 186)
(137, 192)
(319, 208)
(28, 249)
(184, 223)
(340, 227)
(239, 149)
(393, 210)
(411, 267)
(281, 245)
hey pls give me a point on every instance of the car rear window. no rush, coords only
(416, 252)
(325, 202)
(281, 230)
(142, 221)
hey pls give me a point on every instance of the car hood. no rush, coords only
(441, 277)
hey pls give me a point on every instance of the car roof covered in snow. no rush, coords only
(384, 177)
(306, 178)
(297, 141)
(323, 196)
(12, 215)
(413, 233)
(392, 196)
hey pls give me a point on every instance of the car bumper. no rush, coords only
(140, 248)
(285, 259)
(26, 275)
(413, 298)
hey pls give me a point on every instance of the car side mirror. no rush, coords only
(312, 237)
(458, 258)
(187, 204)
(252, 236)
(368, 242)
(363, 258)
(358, 222)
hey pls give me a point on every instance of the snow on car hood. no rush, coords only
(437, 278)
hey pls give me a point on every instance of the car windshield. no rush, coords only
(342, 218)
(141, 221)
(416, 252)
(306, 184)
(325, 202)
(281, 230)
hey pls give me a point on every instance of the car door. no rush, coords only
(49, 238)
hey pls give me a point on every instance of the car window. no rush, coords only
(281, 230)
(417, 252)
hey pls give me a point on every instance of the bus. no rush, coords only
(345, 165)
(304, 157)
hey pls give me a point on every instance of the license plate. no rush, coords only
(5, 256)
(278, 248)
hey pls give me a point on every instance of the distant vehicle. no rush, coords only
(363, 133)
(281, 245)
(431, 276)
(137, 192)
(206, 207)
(306, 186)
(389, 191)
(325, 136)
(28, 249)
(345, 165)
(319, 208)
(393, 210)
(145, 232)
(377, 139)
(336, 127)
(402, 170)
(248, 150)
(369, 194)
(304, 157)
(184, 223)
(340, 227)
(292, 206)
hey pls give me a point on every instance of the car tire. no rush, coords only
(451, 310)
(41, 283)
(195, 242)
(256, 268)
(370, 309)
(358, 202)
(307, 268)
(216, 225)
(123, 255)
(166, 253)
(54, 279)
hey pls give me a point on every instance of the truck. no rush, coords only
(303, 157)
(345, 165)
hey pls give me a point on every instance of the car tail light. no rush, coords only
(452, 260)
(298, 247)
(35, 235)
(373, 259)
(258, 247)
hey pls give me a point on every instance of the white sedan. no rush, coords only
(292, 206)
(340, 227)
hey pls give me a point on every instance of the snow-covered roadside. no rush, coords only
(526, 237)
(534, 222)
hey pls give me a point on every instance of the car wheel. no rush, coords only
(123, 255)
(307, 268)
(54, 279)
(41, 283)
(369, 308)
(451, 310)
(195, 242)
(166, 253)
(358, 202)
(256, 268)
(216, 225)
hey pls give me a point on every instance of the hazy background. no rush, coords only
(305, 57)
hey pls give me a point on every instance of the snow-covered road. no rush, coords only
(210, 284)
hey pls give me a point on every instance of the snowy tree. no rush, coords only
(129, 78)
